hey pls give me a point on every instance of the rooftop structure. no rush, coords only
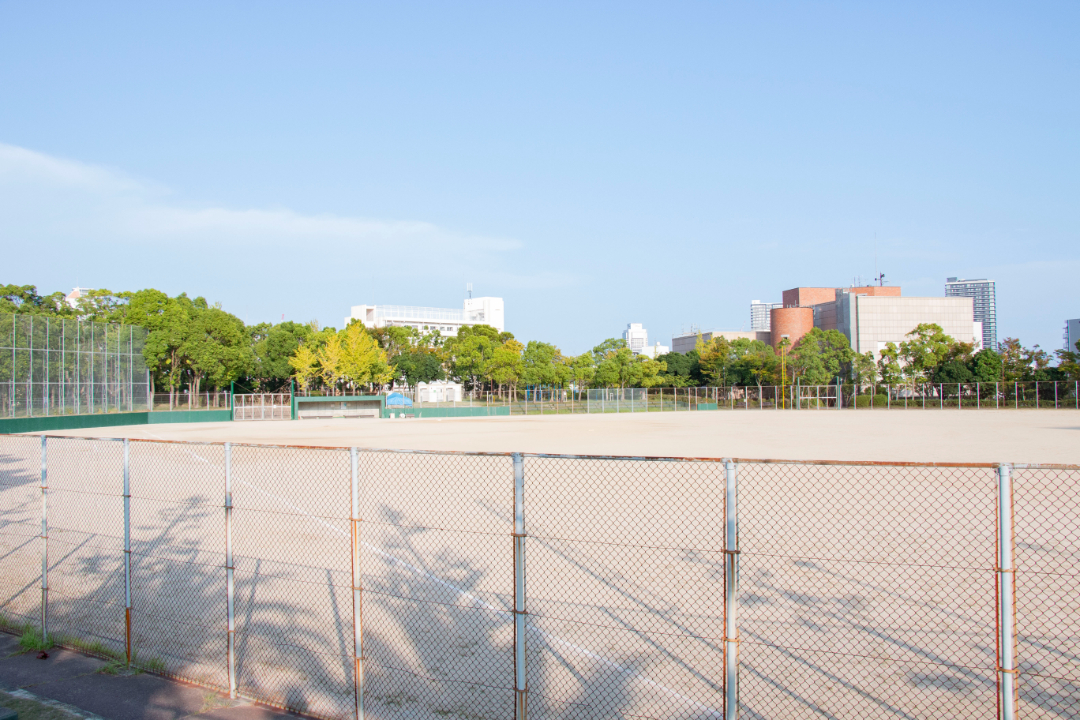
(476, 311)
(984, 295)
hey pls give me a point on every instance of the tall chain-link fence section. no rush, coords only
(1046, 505)
(342, 582)
(867, 591)
(20, 530)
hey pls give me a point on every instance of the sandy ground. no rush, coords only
(865, 592)
(1032, 436)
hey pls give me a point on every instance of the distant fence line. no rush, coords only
(345, 581)
(975, 396)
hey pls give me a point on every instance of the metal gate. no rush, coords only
(262, 406)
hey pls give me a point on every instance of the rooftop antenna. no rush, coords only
(875, 257)
(468, 289)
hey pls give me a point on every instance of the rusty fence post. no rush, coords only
(229, 567)
(127, 550)
(44, 548)
(1006, 576)
(731, 592)
(521, 679)
(357, 588)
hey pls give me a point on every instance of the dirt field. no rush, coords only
(865, 592)
(1047, 436)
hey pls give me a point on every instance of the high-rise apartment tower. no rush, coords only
(981, 291)
(760, 314)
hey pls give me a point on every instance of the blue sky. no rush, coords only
(593, 163)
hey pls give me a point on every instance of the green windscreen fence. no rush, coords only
(53, 366)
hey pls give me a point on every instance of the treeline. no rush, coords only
(823, 357)
(194, 345)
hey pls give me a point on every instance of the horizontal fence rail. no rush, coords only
(344, 582)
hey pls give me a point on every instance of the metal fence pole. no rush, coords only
(731, 593)
(1006, 573)
(230, 610)
(521, 684)
(44, 548)
(127, 549)
(358, 598)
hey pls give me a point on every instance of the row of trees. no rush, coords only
(195, 345)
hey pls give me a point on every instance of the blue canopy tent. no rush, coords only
(397, 399)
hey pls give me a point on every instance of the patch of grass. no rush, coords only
(152, 664)
(31, 640)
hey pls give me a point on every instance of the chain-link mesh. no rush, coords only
(1047, 526)
(178, 558)
(438, 584)
(867, 591)
(292, 553)
(625, 587)
(20, 530)
(86, 541)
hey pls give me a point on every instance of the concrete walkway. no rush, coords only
(88, 690)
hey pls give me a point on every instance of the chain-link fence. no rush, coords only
(341, 582)
(60, 366)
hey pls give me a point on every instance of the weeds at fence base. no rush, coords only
(30, 640)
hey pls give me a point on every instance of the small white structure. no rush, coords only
(652, 351)
(476, 311)
(636, 337)
(439, 391)
(72, 298)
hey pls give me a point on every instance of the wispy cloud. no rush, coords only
(47, 196)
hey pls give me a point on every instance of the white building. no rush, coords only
(761, 315)
(72, 298)
(983, 294)
(636, 337)
(476, 311)
(652, 351)
(439, 391)
(1072, 334)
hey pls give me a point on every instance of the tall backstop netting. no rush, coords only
(352, 583)
(61, 366)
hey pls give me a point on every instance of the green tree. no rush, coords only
(863, 369)
(889, 369)
(821, 356)
(986, 366)
(715, 357)
(419, 365)
(469, 353)
(25, 300)
(539, 364)
(216, 348)
(753, 363)
(927, 346)
(506, 366)
(272, 347)
(1069, 362)
(583, 371)
(305, 365)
